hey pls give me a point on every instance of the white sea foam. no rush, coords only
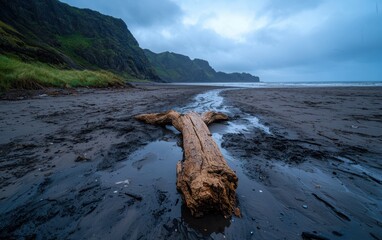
(208, 101)
(212, 101)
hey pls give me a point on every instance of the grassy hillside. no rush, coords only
(66, 37)
(20, 75)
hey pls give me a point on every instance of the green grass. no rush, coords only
(132, 79)
(9, 36)
(76, 41)
(15, 74)
(73, 44)
(4, 27)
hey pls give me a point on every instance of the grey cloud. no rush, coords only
(344, 49)
(193, 41)
(136, 13)
(151, 12)
(282, 8)
(342, 38)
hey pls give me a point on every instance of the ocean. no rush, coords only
(286, 84)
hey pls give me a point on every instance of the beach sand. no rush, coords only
(317, 174)
(322, 163)
(52, 146)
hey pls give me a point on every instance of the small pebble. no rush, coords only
(251, 232)
(305, 206)
(260, 190)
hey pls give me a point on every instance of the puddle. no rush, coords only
(156, 160)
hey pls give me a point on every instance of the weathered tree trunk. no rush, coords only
(205, 180)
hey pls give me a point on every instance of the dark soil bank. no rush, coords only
(322, 163)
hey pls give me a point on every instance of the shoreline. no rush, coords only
(22, 94)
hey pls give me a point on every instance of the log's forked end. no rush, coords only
(171, 117)
(210, 117)
(166, 118)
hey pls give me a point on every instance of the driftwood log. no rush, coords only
(206, 182)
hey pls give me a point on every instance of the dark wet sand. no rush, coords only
(318, 174)
(323, 162)
(52, 147)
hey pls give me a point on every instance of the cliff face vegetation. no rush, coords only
(55, 33)
(173, 67)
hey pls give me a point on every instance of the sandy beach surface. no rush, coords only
(321, 164)
(78, 166)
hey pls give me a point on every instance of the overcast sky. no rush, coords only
(278, 40)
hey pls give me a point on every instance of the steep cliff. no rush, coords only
(173, 67)
(53, 32)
